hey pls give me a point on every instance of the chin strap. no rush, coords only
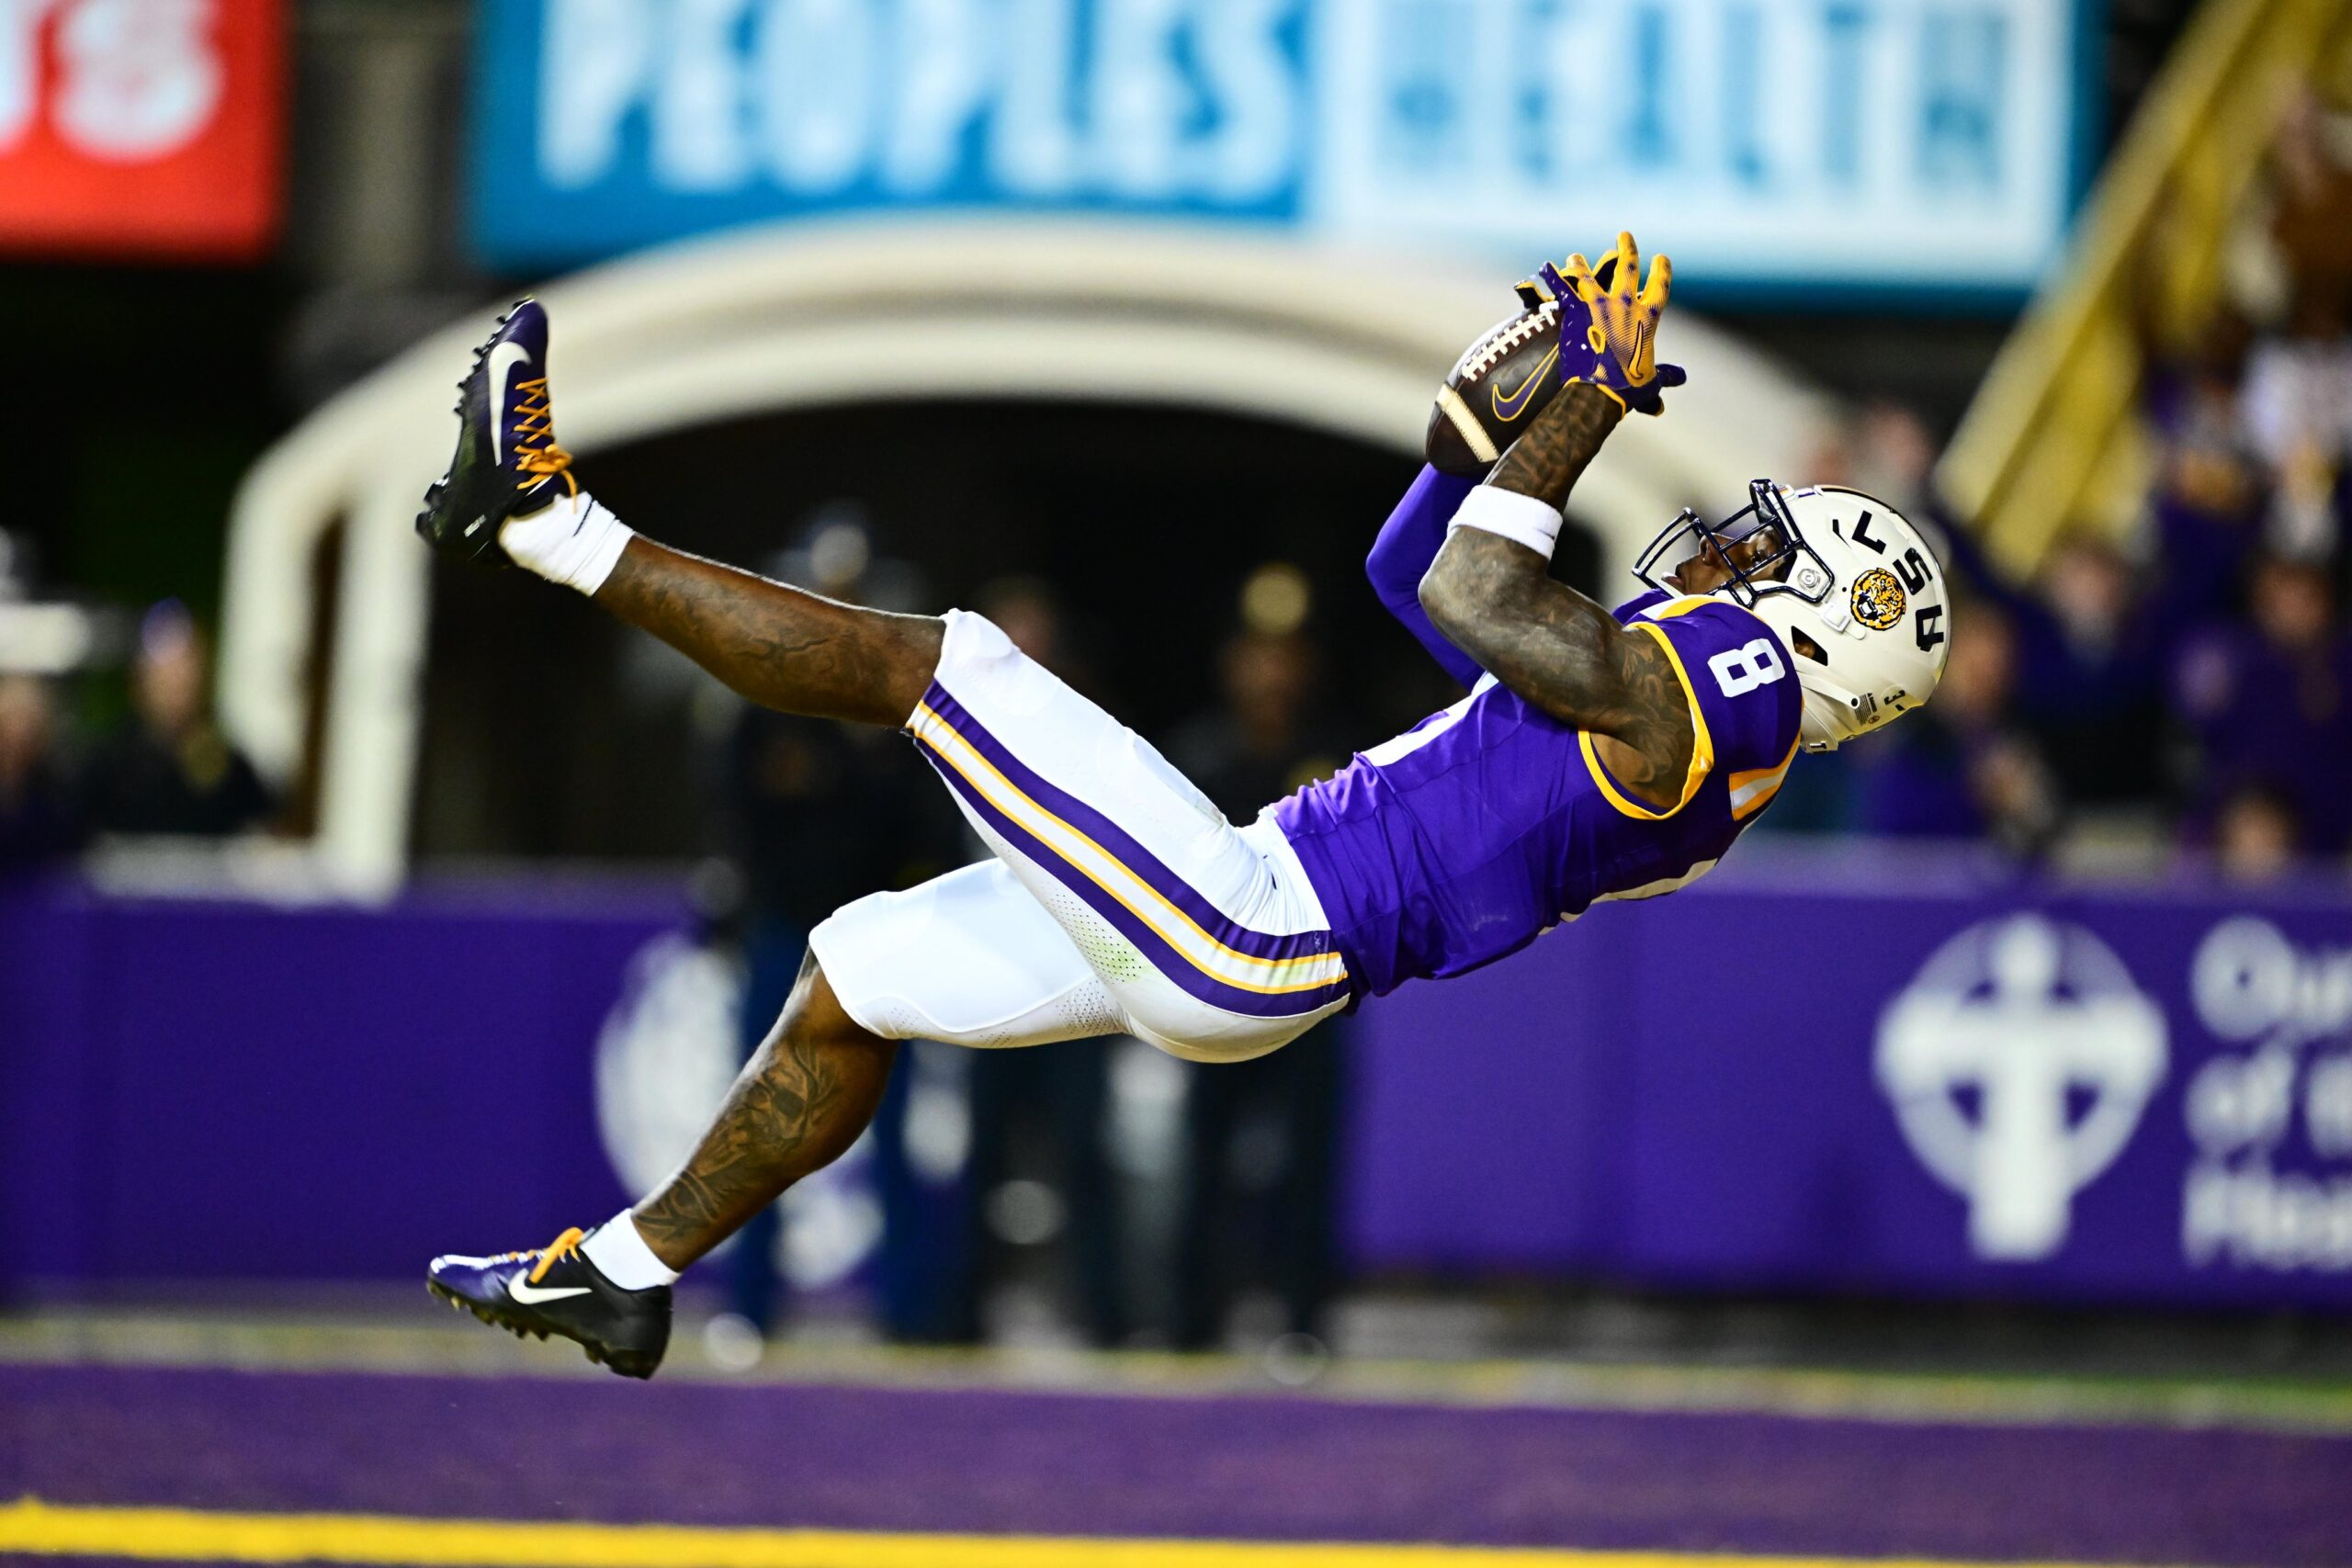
(1832, 714)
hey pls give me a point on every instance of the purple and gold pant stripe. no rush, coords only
(1179, 933)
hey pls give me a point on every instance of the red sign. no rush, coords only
(141, 127)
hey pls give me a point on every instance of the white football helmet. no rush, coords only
(1853, 588)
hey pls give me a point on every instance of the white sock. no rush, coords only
(575, 541)
(618, 1249)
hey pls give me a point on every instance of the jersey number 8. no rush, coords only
(1743, 669)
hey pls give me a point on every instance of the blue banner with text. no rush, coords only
(1905, 143)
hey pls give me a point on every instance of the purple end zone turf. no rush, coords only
(1254, 1468)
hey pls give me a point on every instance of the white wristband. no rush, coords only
(575, 542)
(1521, 519)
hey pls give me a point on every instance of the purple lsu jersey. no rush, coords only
(1461, 841)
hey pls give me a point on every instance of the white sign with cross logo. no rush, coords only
(2025, 1018)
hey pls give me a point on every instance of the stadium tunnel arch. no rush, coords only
(799, 316)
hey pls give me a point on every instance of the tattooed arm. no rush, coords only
(1497, 601)
(779, 645)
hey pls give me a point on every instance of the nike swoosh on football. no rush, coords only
(1510, 407)
(529, 1294)
(503, 362)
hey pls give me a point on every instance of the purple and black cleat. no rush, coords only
(554, 1290)
(507, 463)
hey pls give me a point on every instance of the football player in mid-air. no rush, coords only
(1601, 754)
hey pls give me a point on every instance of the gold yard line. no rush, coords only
(32, 1526)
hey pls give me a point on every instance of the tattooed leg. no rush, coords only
(779, 645)
(801, 1100)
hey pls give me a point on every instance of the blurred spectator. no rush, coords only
(2091, 674)
(819, 814)
(38, 822)
(2256, 836)
(2264, 703)
(170, 769)
(2297, 412)
(1963, 767)
(1261, 1147)
(2312, 177)
(2206, 509)
(1039, 1116)
(1027, 610)
(2298, 402)
(1265, 740)
(2082, 655)
(1881, 448)
(1890, 452)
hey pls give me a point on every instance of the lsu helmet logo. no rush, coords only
(1879, 600)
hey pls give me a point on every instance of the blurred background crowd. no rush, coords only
(2171, 688)
(2178, 687)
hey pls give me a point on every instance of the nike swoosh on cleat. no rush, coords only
(503, 360)
(529, 1294)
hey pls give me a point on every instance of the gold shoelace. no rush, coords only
(535, 452)
(564, 1245)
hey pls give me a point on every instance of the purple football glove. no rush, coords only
(1608, 330)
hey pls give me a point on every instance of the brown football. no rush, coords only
(1495, 392)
